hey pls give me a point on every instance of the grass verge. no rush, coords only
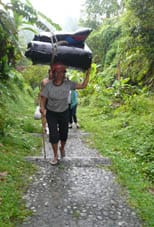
(125, 134)
(16, 143)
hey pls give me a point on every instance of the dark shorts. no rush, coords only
(58, 125)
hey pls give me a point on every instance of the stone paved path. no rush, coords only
(79, 192)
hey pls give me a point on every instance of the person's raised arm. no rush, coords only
(85, 82)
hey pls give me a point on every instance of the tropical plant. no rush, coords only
(15, 16)
(123, 45)
(94, 12)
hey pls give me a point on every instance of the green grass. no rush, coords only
(126, 136)
(16, 143)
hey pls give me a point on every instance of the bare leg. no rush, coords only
(55, 152)
(62, 151)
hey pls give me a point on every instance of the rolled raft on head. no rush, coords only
(68, 48)
(41, 53)
(75, 39)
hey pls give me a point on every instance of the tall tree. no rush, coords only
(138, 27)
(94, 11)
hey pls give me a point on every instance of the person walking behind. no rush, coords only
(73, 109)
(55, 94)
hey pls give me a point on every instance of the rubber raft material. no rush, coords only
(44, 53)
(75, 39)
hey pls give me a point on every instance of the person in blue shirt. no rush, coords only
(73, 109)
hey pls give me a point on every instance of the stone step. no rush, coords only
(75, 161)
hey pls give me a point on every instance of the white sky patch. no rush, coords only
(61, 12)
(58, 10)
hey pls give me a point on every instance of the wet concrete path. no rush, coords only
(78, 192)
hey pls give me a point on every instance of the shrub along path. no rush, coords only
(80, 191)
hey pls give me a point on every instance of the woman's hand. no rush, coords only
(42, 105)
(88, 71)
(43, 111)
(85, 82)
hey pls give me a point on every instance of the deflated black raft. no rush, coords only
(43, 53)
(75, 39)
(68, 48)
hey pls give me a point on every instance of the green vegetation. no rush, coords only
(16, 142)
(17, 16)
(125, 134)
(117, 107)
(122, 39)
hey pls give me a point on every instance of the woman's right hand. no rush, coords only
(43, 111)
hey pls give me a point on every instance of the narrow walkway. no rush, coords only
(78, 192)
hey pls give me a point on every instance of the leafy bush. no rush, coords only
(16, 142)
(125, 135)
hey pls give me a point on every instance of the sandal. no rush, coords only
(54, 162)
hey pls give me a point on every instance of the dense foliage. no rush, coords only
(14, 17)
(17, 126)
(118, 102)
(125, 134)
(123, 45)
(95, 11)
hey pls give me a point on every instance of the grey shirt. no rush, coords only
(58, 95)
